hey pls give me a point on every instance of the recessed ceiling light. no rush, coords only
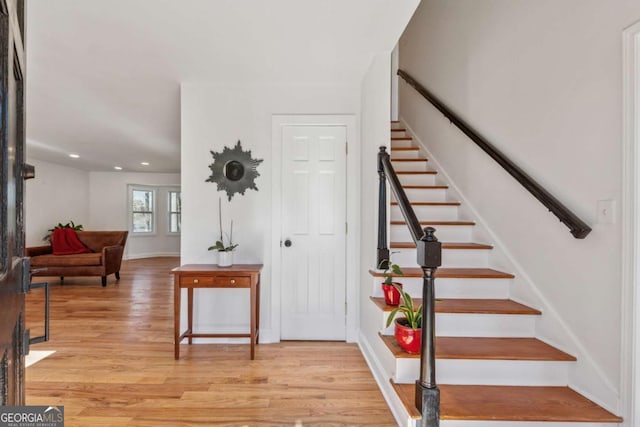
(144, 163)
(74, 156)
(118, 168)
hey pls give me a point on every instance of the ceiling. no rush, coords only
(103, 76)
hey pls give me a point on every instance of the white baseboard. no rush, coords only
(150, 255)
(390, 396)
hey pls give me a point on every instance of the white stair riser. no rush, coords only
(452, 288)
(444, 233)
(428, 213)
(485, 325)
(477, 325)
(424, 194)
(488, 372)
(409, 166)
(406, 154)
(417, 179)
(403, 142)
(450, 257)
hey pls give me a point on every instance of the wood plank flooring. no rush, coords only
(114, 365)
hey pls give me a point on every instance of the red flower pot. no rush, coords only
(391, 294)
(410, 340)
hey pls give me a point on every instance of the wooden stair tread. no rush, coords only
(472, 306)
(452, 273)
(445, 245)
(404, 148)
(398, 130)
(510, 403)
(401, 138)
(416, 172)
(486, 348)
(454, 223)
(429, 203)
(406, 393)
(409, 160)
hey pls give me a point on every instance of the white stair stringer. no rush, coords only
(373, 349)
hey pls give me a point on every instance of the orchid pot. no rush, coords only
(225, 258)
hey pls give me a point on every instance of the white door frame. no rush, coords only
(630, 303)
(353, 215)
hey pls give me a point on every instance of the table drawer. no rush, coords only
(197, 281)
(232, 281)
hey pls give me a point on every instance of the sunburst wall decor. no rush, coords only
(234, 170)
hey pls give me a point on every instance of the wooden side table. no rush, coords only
(192, 276)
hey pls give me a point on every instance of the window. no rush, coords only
(142, 208)
(175, 211)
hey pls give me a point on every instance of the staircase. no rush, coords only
(491, 370)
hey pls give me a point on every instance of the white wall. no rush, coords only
(98, 201)
(217, 116)
(57, 194)
(375, 130)
(108, 210)
(217, 112)
(542, 81)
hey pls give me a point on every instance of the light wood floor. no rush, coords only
(114, 365)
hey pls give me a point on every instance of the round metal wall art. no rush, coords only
(234, 170)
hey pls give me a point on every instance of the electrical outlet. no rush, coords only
(606, 212)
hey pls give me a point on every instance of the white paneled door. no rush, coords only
(313, 233)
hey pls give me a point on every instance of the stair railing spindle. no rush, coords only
(429, 254)
(383, 249)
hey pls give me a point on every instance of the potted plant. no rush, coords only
(225, 251)
(389, 287)
(408, 329)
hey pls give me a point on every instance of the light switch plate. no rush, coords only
(606, 211)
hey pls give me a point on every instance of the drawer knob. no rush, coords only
(233, 281)
(196, 281)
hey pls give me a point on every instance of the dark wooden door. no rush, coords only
(13, 267)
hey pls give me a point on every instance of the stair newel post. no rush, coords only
(427, 397)
(383, 250)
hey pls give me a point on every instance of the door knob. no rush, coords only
(287, 243)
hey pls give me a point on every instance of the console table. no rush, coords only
(192, 276)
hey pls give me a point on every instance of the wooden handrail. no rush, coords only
(578, 228)
(401, 197)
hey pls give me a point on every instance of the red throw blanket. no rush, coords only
(65, 242)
